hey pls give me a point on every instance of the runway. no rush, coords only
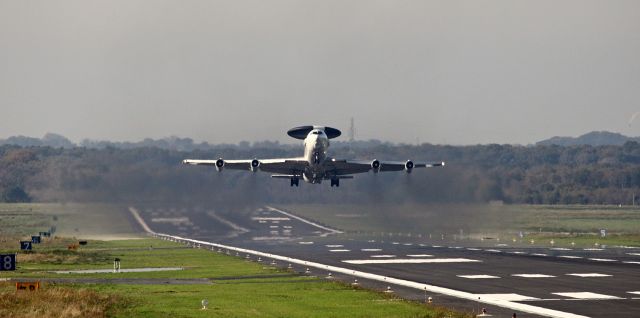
(570, 282)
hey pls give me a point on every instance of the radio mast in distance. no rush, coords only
(352, 131)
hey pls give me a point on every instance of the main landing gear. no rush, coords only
(335, 182)
(295, 182)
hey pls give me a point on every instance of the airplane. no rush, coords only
(315, 166)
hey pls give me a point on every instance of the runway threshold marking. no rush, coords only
(371, 249)
(409, 261)
(376, 277)
(330, 230)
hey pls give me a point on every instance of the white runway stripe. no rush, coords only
(305, 243)
(634, 254)
(517, 253)
(339, 250)
(631, 262)
(507, 297)
(533, 275)
(473, 249)
(419, 255)
(409, 261)
(634, 292)
(589, 275)
(371, 249)
(494, 251)
(593, 249)
(570, 256)
(336, 245)
(477, 276)
(539, 254)
(586, 295)
(603, 260)
(560, 249)
(382, 256)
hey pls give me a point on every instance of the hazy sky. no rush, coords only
(460, 72)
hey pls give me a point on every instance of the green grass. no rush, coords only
(278, 295)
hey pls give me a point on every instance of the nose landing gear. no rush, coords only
(295, 181)
(335, 182)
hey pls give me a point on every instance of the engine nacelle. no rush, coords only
(375, 165)
(255, 164)
(219, 164)
(408, 166)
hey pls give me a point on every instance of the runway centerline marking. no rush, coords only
(383, 256)
(631, 262)
(533, 275)
(478, 276)
(473, 249)
(586, 295)
(603, 259)
(409, 261)
(334, 245)
(494, 251)
(339, 250)
(569, 256)
(371, 249)
(539, 254)
(419, 255)
(634, 254)
(589, 275)
(305, 243)
(560, 249)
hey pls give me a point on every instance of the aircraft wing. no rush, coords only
(341, 167)
(293, 166)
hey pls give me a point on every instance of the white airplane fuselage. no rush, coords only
(315, 153)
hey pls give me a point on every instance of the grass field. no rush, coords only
(579, 224)
(234, 287)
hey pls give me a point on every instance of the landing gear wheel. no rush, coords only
(295, 182)
(335, 182)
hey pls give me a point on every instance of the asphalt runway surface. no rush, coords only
(591, 282)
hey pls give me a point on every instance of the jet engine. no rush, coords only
(408, 166)
(255, 164)
(219, 164)
(375, 165)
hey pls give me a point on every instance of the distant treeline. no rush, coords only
(483, 173)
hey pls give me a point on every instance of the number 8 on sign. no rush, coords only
(8, 262)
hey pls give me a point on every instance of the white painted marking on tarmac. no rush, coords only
(334, 245)
(371, 241)
(305, 243)
(419, 255)
(273, 226)
(586, 295)
(339, 251)
(570, 256)
(371, 249)
(477, 276)
(593, 249)
(603, 260)
(395, 243)
(409, 261)
(634, 292)
(589, 275)
(473, 249)
(631, 262)
(407, 244)
(532, 275)
(330, 230)
(539, 254)
(494, 251)
(436, 246)
(517, 253)
(287, 226)
(560, 249)
(264, 218)
(634, 254)
(382, 256)
(507, 297)
(502, 245)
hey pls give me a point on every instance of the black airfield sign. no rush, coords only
(7, 262)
